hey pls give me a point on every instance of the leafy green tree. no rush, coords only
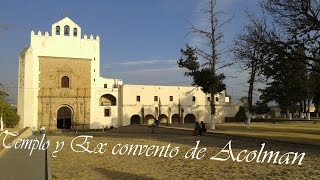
(261, 108)
(315, 90)
(7, 112)
(288, 84)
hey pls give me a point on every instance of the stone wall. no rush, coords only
(52, 96)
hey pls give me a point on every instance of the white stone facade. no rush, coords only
(111, 101)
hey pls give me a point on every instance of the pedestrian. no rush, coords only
(198, 129)
(203, 127)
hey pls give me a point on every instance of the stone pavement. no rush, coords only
(17, 164)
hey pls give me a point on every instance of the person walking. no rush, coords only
(203, 127)
(198, 129)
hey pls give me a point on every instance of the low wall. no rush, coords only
(22, 134)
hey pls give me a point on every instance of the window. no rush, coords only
(138, 98)
(105, 86)
(208, 98)
(217, 99)
(108, 100)
(107, 113)
(75, 32)
(193, 98)
(171, 98)
(155, 98)
(65, 82)
(57, 30)
(66, 30)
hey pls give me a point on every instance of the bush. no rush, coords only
(241, 115)
(10, 116)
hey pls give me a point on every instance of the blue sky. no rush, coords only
(140, 40)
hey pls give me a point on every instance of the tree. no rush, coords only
(315, 90)
(3, 92)
(204, 74)
(250, 56)
(261, 108)
(289, 42)
(299, 21)
(288, 84)
(7, 112)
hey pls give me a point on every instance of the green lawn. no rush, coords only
(296, 132)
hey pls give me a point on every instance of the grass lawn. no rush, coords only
(76, 165)
(296, 132)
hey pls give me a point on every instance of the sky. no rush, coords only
(140, 40)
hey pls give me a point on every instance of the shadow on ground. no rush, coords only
(109, 174)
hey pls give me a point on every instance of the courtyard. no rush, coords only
(77, 165)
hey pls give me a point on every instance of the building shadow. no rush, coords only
(111, 174)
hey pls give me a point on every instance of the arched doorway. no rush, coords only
(135, 119)
(190, 118)
(163, 119)
(149, 119)
(175, 119)
(64, 118)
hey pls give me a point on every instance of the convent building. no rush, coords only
(60, 87)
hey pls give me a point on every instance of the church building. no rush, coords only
(60, 87)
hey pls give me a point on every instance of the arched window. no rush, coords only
(65, 82)
(57, 30)
(66, 30)
(75, 32)
(108, 100)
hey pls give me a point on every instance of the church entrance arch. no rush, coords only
(64, 117)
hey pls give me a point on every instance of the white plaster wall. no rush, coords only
(200, 108)
(98, 120)
(28, 90)
(44, 44)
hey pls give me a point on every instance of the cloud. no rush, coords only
(150, 70)
(145, 62)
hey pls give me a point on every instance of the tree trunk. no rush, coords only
(289, 114)
(250, 92)
(213, 112)
(1, 123)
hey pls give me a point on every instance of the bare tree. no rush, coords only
(205, 74)
(249, 56)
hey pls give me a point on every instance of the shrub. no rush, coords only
(241, 115)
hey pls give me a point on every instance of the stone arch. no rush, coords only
(163, 119)
(190, 118)
(108, 100)
(175, 119)
(64, 117)
(148, 119)
(135, 119)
